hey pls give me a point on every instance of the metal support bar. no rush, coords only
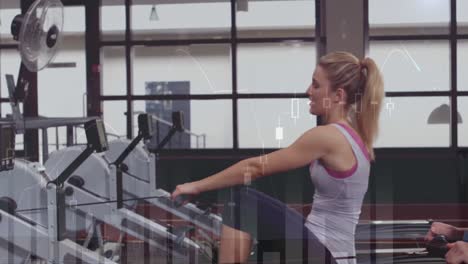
(45, 146)
(166, 139)
(69, 136)
(37, 242)
(119, 187)
(62, 178)
(128, 150)
(52, 223)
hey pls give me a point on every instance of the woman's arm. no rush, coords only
(312, 145)
(452, 233)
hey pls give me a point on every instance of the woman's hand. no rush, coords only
(458, 253)
(186, 190)
(451, 233)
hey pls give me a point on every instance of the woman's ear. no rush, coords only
(340, 95)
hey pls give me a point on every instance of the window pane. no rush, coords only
(112, 19)
(64, 88)
(10, 61)
(462, 16)
(275, 68)
(208, 123)
(59, 140)
(114, 72)
(462, 65)
(74, 20)
(273, 123)
(206, 67)
(6, 109)
(404, 123)
(114, 118)
(409, 17)
(463, 127)
(413, 65)
(7, 13)
(267, 19)
(180, 20)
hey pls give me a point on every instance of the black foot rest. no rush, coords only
(8, 205)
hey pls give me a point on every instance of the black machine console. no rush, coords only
(96, 135)
(7, 146)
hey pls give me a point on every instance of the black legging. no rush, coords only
(276, 227)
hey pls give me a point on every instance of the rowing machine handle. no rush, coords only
(437, 247)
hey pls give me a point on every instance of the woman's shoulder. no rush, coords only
(325, 131)
(327, 134)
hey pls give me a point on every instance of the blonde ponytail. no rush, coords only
(364, 86)
(367, 117)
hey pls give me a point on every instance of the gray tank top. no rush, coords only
(338, 199)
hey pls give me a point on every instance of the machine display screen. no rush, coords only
(178, 120)
(150, 125)
(96, 135)
(101, 131)
(145, 125)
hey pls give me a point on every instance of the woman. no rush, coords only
(347, 95)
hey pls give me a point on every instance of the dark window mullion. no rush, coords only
(418, 94)
(447, 93)
(176, 42)
(208, 96)
(409, 37)
(8, 46)
(1, 74)
(128, 64)
(453, 75)
(235, 127)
